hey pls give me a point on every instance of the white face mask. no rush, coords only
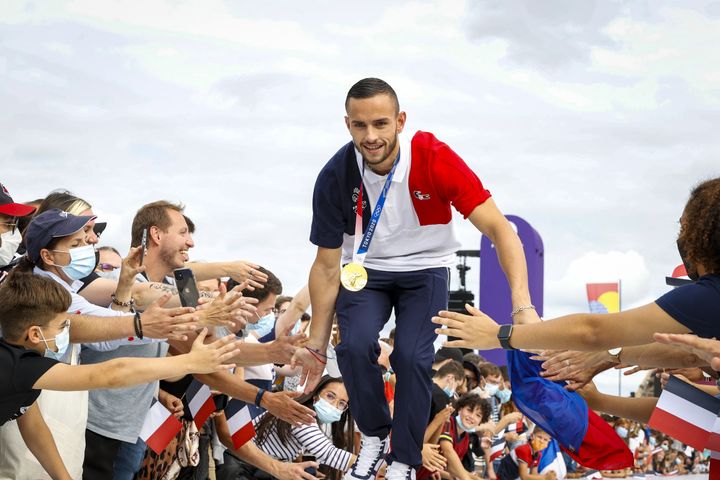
(10, 243)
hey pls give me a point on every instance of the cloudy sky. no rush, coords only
(591, 120)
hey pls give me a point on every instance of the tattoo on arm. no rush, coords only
(164, 288)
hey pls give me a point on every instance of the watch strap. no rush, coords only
(504, 336)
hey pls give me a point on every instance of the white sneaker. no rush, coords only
(370, 460)
(399, 471)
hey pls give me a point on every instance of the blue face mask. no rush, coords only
(461, 425)
(503, 395)
(326, 413)
(449, 392)
(263, 326)
(62, 341)
(491, 388)
(82, 262)
(296, 329)
(622, 432)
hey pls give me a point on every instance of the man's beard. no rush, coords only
(379, 162)
(167, 256)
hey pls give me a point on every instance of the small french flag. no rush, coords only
(688, 414)
(498, 446)
(159, 428)
(200, 401)
(714, 465)
(239, 417)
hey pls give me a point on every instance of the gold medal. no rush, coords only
(354, 277)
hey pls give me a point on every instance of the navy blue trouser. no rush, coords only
(415, 296)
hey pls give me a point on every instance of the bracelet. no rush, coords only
(318, 356)
(138, 326)
(259, 396)
(521, 308)
(130, 303)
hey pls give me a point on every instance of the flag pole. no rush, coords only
(619, 309)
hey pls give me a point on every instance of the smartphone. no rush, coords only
(221, 402)
(143, 246)
(187, 288)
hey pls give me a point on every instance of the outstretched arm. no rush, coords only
(123, 372)
(40, 442)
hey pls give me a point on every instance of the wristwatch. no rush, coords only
(615, 354)
(504, 336)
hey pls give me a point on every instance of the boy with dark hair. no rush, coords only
(36, 331)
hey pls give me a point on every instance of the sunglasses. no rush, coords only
(106, 267)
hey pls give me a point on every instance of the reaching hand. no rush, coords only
(285, 346)
(242, 271)
(432, 459)
(578, 368)
(476, 330)
(312, 367)
(170, 323)
(130, 266)
(225, 310)
(294, 471)
(590, 393)
(707, 349)
(172, 403)
(211, 357)
(283, 406)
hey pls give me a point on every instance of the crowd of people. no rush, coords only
(92, 341)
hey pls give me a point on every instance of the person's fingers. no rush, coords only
(457, 343)
(160, 302)
(201, 337)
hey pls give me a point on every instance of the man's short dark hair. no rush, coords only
(370, 87)
(474, 358)
(26, 300)
(446, 353)
(451, 368)
(153, 214)
(273, 285)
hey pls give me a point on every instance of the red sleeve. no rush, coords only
(454, 180)
(524, 454)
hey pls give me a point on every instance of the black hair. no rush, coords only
(370, 87)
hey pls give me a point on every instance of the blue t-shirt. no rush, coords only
(696, 306)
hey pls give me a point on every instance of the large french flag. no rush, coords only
(200, 402)
(239, 417)
(159, 428)
(581, 433)
(688, 414)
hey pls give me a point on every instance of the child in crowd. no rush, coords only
(522, 462)
(36, 331)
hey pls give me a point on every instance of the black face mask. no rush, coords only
(689, 267)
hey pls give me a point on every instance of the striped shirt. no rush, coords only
(306, 440)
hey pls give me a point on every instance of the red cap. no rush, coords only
(10, 208)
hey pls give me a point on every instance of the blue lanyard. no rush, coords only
(375, 218)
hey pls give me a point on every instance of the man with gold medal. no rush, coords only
(382, 225)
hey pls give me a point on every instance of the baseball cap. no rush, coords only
(50, 224)
(10, 208)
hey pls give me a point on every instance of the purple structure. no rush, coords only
(494, 289)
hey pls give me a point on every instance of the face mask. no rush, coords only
(296, 329)
(491, 388)
(689, 266)
(462, 426)
(664, 447)
(386, 376)
(326, 413)
(652, 441)
(263, 326)
(62, 341)
(622, 432)
(82, 262)
(10, 243)
(503, 395)
(449, 392)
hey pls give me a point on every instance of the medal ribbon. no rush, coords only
(361, 247)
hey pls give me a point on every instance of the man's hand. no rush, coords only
(590, 393)
(432, 459)
(172, 403)
(225, 310)
(170, 323)
(242, 271)
(130, 266)
(283, 348)
(551, 475)
(283, 406)
(578, 368)
(293, 471)
(211, 357)
(707, 349)
(476, 330)
(312, 367)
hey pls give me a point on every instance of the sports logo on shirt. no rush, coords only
(421, 196)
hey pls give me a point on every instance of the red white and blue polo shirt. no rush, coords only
(415, 229)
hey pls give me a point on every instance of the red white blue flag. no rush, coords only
(200, 402)
(159, 428)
